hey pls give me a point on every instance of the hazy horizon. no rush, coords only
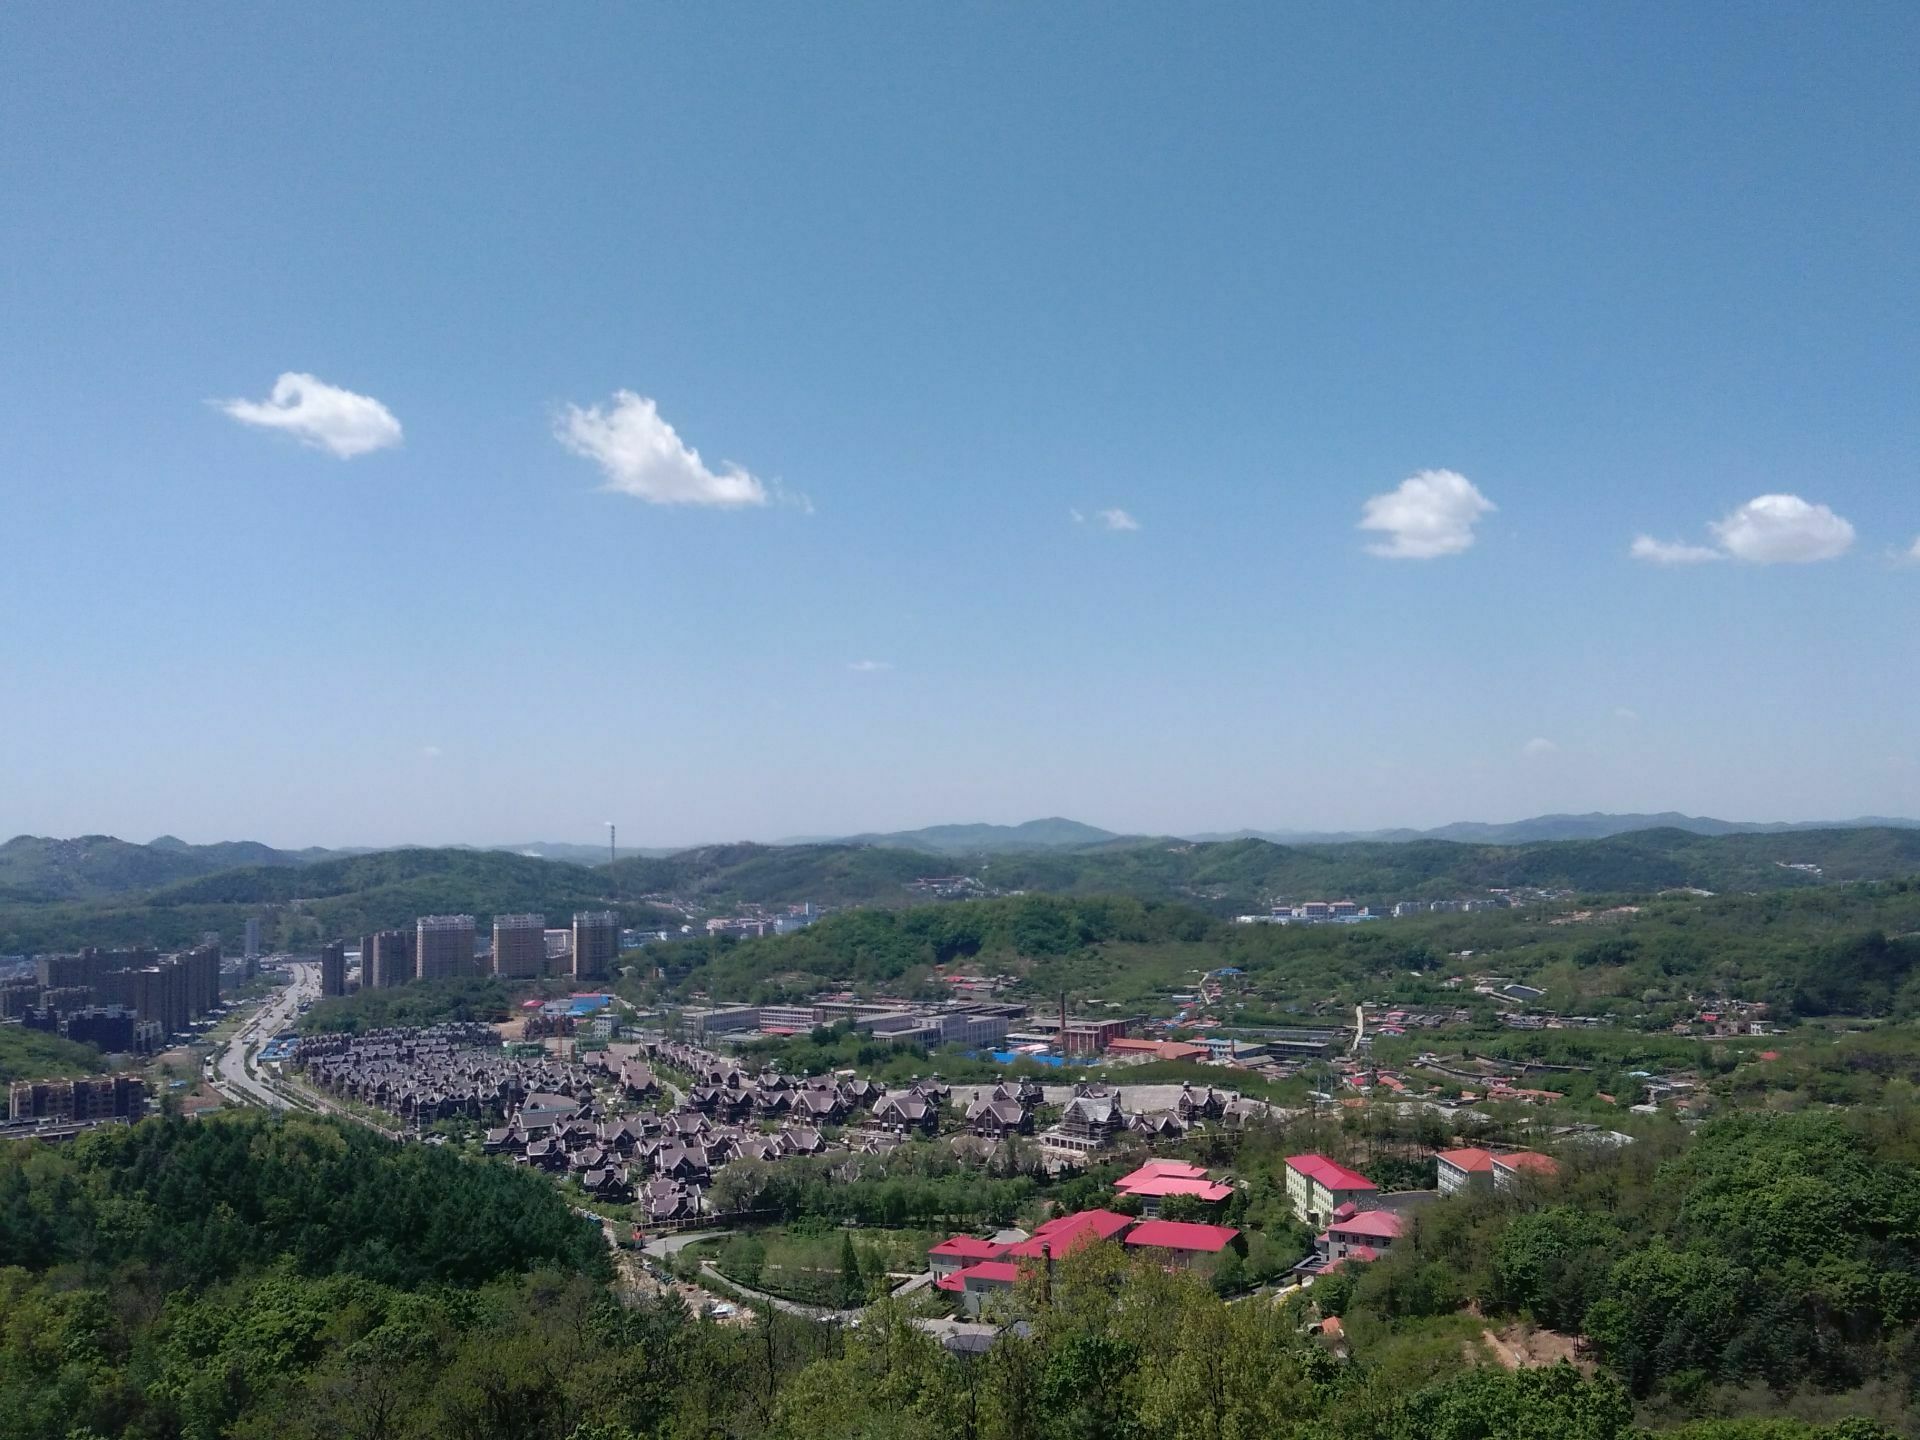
(867, 418)
(627, 847)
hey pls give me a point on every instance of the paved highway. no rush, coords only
(231, 1076)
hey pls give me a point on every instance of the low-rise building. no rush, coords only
(1318, 1186)
(1181, 1242)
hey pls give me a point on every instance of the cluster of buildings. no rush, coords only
(972, 1025)
(439, 1072)
(974, 1270)
(55, 1109)
(758, 922)
(1351, 912)
(447, 946)
(122, 1000)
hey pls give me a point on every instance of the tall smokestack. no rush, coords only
(1063, 1022)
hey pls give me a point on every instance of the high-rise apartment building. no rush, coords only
(333, 968)
(519, 946)
(596, 943)
(203, 978)
(443, 947)
(252, 951)
(386, 959)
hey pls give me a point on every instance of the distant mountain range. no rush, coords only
(37, 868)
(97, 890)
(1596, 825)
(1058, 834)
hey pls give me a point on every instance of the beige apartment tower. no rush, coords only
(443, 947)
(519, 946)
(596, 943)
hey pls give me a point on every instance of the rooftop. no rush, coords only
(1330, 1173)
(1372, 1224)
(968, 1247)
(1182, 1235)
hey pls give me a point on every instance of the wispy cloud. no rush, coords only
(1428, 515)
(1671, 552)
(1626, 713)
(1112, 518)
(320, 415)
(431, 752)
(1767, 530)
(643, 456)
(1538, 748)
(869, 667)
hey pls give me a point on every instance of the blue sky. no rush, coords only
(921, 285)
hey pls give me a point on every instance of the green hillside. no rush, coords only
(838, 874)
(303, 905)
(34, 1055)
(89, 867)
(1820, 951)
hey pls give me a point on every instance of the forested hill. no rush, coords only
(348, 896)
(1237, 875)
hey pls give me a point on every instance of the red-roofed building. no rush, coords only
(959, 1252)
(1470, 1169)
(1318, 1186)
(1371, 1231)
(1157, 1179)
(1181, 1240)
(979, 1281)
(1512, 1171)
(1125, 1048)
(1068, 1232)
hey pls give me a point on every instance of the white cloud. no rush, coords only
(1671, 552)
(432, 752)
(644, 457)
(869, 667)
(1431, 514)
(1117, 519)
(320, 415)
(1538, 748)
(1783, 530)
(1626, 713)
(1913, 552)
(1074, 514)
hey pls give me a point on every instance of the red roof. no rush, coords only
(1164, 1167)
(991, 1272)
(1527, 1160)
(1472, 1160)
(1330, 1173)
(1373, 1224)
(1182, 1235)
(1154, 1186)
(968, 1247)
(1068, 1232)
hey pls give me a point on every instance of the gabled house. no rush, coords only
(994, 1118)
(1204, 1103)
(908, 1111)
